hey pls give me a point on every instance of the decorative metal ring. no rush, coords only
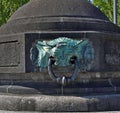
(62, 80)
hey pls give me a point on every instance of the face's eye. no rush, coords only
(72, 59)
(52, 59)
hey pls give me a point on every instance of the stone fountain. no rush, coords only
(59, 55)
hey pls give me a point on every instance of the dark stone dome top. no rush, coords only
(57, 8)
(58, 15)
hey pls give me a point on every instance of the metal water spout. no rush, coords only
(64, 81)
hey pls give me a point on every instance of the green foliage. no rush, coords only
(8, 7)
(119, 12)
(106, 6)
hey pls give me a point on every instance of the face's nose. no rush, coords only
(62, 61)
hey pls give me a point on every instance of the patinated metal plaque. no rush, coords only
(62, 49)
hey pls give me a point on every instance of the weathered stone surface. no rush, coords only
(12, 52)
(55, 112)
(85, 83)
(21, 56)
(77, 15)
(76, 19)
(73, 20)
(14, 89)
(11, 57)
(42, 103)
(59, 8)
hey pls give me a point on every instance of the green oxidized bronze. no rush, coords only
(62, 49)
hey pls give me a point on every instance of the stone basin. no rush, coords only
(95, 83)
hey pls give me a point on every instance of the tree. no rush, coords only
(106, 6)
(118, 12)
(8, 7)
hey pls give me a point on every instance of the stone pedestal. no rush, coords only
(17, 58)
(25, 87)
(88, 93)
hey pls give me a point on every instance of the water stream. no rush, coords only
(62, 90)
